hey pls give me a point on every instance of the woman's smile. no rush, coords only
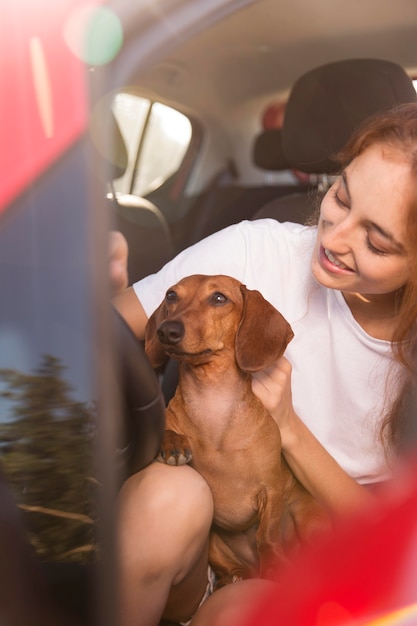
(330, 263)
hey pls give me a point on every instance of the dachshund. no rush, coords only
(220, 332)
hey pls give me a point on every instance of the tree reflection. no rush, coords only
(46, 450)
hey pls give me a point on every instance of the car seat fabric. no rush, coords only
(222, 205)
(147, 233)
(296, 207)
(268, 153)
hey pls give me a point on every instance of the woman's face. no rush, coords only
(361, 243)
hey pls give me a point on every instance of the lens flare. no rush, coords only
(94, 34)
(42, 85)
(406, 616)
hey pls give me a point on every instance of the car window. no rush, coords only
(46, 393)
(156, 137)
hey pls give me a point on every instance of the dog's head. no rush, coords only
(205, 316)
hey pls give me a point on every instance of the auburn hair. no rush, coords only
(396, 132)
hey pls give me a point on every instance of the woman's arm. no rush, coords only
(314, 467)
(130, 308)
(124, 298)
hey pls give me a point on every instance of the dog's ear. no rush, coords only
(153, 348)
(263, 333)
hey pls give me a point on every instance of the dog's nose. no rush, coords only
(170, 332)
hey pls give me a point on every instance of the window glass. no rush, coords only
(156, 136)
(47, 397)
(131, 113)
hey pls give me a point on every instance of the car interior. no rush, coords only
(181, 142)
(235, 166)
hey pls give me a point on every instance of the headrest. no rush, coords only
(267, 151)
(328, 103)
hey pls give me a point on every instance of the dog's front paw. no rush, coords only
(175, 449)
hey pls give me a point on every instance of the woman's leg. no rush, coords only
(232, 605)
(165, 514)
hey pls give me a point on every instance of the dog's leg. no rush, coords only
(269, 535)
(286, 525)
(306, 521)
(175, 449)
(225, 564)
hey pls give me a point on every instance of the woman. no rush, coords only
(348, 287)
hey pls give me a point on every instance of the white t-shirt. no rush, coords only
(339, 372)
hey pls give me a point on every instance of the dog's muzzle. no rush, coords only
(170, 332)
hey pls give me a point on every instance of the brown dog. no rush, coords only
(220, 332)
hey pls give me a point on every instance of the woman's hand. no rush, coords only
(272, 386)
(118, 254)
(311, 463)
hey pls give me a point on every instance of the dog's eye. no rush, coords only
(218, 298)
(171, 296)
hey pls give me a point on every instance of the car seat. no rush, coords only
(225, 201)
(325, 106)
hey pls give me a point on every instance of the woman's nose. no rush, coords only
(337, 235)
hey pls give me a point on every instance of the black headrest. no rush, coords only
(267, 151)
(328, 103)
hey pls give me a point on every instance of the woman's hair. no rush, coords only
(396, 132)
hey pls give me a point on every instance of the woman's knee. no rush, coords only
(167, 509)
(164, 519)
(233, 604)
(165, 490)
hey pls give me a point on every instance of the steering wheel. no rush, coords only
(142, 400)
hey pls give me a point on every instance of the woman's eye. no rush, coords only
(374, 249)
(339, 200)
(171, 296)
(218, 298)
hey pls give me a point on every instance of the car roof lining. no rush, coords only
(303, 34)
